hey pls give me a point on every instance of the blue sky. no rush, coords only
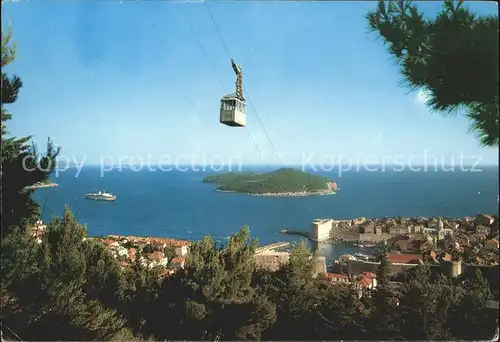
(108, 79)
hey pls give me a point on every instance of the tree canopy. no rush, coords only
(453, 58)
(21, 164)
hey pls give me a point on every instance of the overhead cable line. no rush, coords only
(222, 85)
(246, 92)
(11, 331)
(198, 112)
(204, 50)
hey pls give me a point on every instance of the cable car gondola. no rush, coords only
(233, 106)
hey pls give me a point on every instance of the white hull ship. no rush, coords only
(100, 196)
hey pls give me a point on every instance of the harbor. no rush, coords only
(347, 239)
(337, 248)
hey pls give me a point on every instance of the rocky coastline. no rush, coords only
(283, 194)
(296, 194)
(41, 185)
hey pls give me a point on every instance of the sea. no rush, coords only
(178, 204)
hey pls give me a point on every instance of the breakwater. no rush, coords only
(295, 232)
(342, 237)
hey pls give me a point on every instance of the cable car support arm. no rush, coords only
(239, 80)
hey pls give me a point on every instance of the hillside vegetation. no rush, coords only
(285, 180)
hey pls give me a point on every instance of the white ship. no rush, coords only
(100, 196)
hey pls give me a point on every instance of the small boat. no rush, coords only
(369, 246)
(100, 196)
(361, 256)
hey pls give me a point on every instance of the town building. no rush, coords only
(491, 244)
(271, 260)
(359, 220)
(181, 248)
(109, 243)
(335, 278)
(166, 273)
(131, 254)
(121, 251)
(398, 230)
(37, 231)
(362, 282)
(320, 265)
(157, 259)
(158, 244)
(178, 262)
(483, 230)
(399, 258)
(415, 229)
(368, 228)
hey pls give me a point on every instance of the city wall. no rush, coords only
(356, 266)
(273, 260)
(449, 269)
(326, 229)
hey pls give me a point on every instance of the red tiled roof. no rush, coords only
(402, 258)
(178, 243)
(365, 281)
(160, 240)
(178, 260)
(156, 256)
(131, 251)
(369, 274)
(167, 273)
(332, 276)
(108, 241)
(157, 241)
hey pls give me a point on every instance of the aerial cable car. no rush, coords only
(233, 106)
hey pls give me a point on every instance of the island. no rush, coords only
(281, 183)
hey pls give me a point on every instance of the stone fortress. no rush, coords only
(376, 230)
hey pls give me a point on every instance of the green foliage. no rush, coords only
(129, 244)
(48, 286)
(21, 164)
(453, 58)
(148, 249)
(280, 181)
(169, 252)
